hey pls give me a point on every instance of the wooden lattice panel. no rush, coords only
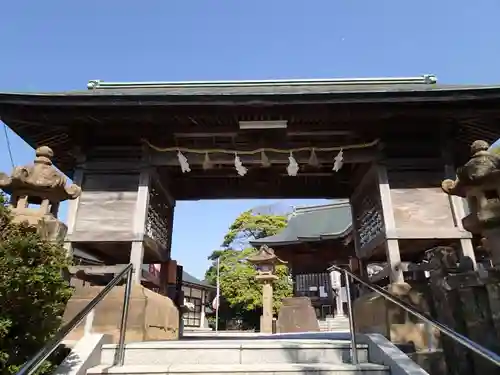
(367, 212)
(158, 216)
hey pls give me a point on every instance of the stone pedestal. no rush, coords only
(151, 315)
(267, 308)
(375, 314)
(297, 315)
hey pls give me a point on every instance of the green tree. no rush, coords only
(249, 226)
(33, 292)
(238, 286)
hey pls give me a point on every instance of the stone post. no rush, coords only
(479, 181)
(336, 278)
(42, 186)
(267, 307)
(265, 261)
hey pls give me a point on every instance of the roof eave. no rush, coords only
(201, 286)
(303, 239)
(127, 99)
(272, 243)
(341, 234)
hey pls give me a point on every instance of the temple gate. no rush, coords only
(385, 144)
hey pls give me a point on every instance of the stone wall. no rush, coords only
(151, 315)
(374, 314)
(469, 303)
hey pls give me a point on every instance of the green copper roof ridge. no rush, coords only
(304, 209)
(95, 84)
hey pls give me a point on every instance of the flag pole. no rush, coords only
(217, 297)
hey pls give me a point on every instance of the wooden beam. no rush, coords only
(97, 270)
(235, 133)
(104, 236)
(319, 133)
(232, 174)
(219, 189)
(426, 233)
(216, 133)
(103, 270)
(105, 166)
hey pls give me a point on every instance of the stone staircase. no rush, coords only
(260, 355)
(334, 324)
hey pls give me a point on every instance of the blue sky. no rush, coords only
(59, 45)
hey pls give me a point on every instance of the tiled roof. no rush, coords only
(187, 278)
(313, 223)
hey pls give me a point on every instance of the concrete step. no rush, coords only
(236, 352)
(339, 324)
(338, 319)
(247, 369)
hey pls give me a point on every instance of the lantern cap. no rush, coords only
(39, 180)
(265, 255)
(482, 168)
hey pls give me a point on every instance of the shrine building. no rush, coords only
(315, 237)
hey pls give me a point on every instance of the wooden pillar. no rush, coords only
(363, 270)
(73, 211)
(170, 227)
(163, 277)
(139, 225)
(458, 212)
(391, 245)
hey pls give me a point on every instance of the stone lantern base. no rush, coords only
(297, 315)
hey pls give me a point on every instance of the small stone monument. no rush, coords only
(479, 181)
(265, 261)
(39, 184)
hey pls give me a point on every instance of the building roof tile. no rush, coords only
(313, 223)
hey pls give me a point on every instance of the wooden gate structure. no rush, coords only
(138, 148)
(121, 142)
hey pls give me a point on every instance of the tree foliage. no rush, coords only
(33, 292)
(250, 226)
(238, 286)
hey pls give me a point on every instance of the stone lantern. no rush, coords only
(43, 187)
(479, 182)
(265, 262)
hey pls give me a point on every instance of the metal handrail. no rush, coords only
(36, 361)
(461, 339)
